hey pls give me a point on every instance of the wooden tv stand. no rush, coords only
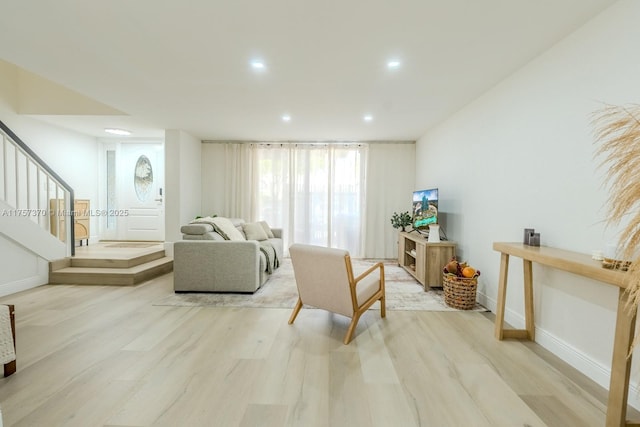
(424, 260)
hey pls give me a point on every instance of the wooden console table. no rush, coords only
(582, 265)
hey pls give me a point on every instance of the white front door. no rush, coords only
(141, 183)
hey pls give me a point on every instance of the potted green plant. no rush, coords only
(401, 220)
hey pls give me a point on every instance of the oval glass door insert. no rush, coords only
(143, 178)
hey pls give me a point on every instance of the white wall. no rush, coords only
(73, 156)
(183, 182)
(19, 268)
(522, 156)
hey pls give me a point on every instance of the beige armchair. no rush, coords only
(325, 280)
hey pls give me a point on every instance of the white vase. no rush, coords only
(434, 233)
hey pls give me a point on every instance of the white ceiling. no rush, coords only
(185, 64)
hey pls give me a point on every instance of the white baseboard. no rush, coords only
(41, 277)
(594, 370)
(24, 284)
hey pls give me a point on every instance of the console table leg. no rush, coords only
(528, 299)
(502, 293)
(620, 364)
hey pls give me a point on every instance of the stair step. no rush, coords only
(112, 276)
(117, 263)
(59, 263)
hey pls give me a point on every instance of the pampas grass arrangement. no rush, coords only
(617, 128)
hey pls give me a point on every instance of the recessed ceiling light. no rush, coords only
(286, 118)
(393, 64)
(120, 132)
(257, 65)
(368, 118)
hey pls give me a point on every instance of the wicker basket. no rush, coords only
(459, 292)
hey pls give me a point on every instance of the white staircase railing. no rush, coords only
(34, 190)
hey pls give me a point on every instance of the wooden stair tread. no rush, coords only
(121, 262)
(117, 254)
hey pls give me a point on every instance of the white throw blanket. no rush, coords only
(7, 350)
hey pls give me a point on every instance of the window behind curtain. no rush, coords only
(315, 191)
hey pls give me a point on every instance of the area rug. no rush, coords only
(402, 290)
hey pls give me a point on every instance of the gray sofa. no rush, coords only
(210, 260)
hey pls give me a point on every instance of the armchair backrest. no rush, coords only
(323, 276)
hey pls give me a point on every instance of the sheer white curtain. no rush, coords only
(239, 167)
(391, 182)
(316, 192)
(237, 182)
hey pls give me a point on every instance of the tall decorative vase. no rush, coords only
(434, 233)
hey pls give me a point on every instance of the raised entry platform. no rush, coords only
(112, 263)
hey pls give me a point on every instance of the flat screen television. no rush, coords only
(425, 208)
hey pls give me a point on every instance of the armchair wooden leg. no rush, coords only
(296, 310)
(383, 308)
(352, 327)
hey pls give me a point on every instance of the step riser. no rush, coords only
(59, 263)
(114, 278)
(89, 279)
(159, 270)
(116, 263)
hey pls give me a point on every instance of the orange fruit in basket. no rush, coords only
(468, 272)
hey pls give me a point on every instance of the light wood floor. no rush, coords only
(117, 249)
(106, 356)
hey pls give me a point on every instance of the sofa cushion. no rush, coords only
(254, 231)
(196, 228)
(237, 222)
(267, 229)
(226, 229)
(212, 235)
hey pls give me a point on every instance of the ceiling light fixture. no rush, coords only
(286, 118)
(368, 118)
(393, 64)
(257, 65)
(119, 132)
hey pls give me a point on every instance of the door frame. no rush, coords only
(116, 231)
